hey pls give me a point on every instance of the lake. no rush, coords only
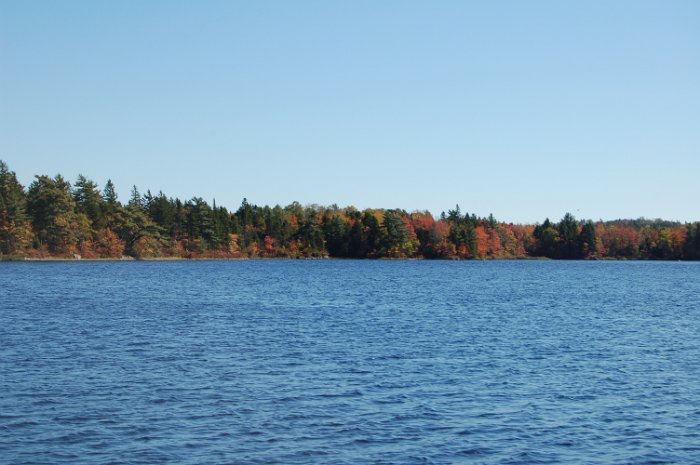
(350, 362)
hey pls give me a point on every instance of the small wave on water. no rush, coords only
(350, 362)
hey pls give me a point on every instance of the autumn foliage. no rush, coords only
(54, 218)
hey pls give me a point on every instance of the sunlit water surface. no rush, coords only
(350, 362)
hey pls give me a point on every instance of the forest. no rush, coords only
(52, 218)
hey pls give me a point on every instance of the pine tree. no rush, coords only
(52, 210)
(89, 202)
(14, 231)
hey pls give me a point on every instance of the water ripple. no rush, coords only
(346, 362)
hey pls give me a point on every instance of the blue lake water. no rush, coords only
(350, 362)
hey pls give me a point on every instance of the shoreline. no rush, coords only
(222, 259)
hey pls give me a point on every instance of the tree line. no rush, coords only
(54, 218)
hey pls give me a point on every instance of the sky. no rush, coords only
(526, 110)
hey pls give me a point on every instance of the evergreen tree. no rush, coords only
(547, 236)
(136, 229)
(373, 233)
(454, 216)
(568, 235)
(311, 236)
(336, 234)
(222, 226)
(109, 195)
(14, 233)
(161, 211)
(89, 202)
(396, 238)
(137, 200)
(492, 223)
(692, 245)
(357, 239)
(52, 210)
(200, 224)
(588, 245)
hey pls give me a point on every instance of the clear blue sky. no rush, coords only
(523, 109)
